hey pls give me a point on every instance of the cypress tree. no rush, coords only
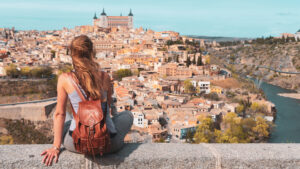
(188, 62)
(194, 60)
(199, 61)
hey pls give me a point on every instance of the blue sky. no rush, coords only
(234, 18)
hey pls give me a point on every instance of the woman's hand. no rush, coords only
(50, 154)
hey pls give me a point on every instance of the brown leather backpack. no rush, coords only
(91, 136)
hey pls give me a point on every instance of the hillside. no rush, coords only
(21, 90)
(217, 38)
(244, 59)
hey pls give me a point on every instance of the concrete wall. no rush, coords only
(163, 155)
(33, 111)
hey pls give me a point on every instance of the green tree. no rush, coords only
(122, 73)
(199, 61)
(12, 71)
(177, 58)
(212, 96)
(161, 140)
(220, 137)
(46, 71)
(240, 109)
(53, 54)
(234, 132)
(205, 131)
(162, 121)
(194, 60)
(258, 108)
(189, 136)
(188, 62)
(41, 72)
(65, 68)
(136, 72)
(247, 125)
(188, 86)
(25, 71)
(261, 129)
(207, 60)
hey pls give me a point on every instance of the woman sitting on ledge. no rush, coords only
(85, 82)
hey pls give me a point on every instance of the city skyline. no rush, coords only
(230, 19)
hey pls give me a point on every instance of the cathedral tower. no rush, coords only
(130, 20)
(103, 20)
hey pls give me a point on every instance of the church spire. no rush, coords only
(95, 16)
(130, 13)
(103, 13)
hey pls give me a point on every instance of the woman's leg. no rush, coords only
(67, 140)
(68, 143)
(123, 122)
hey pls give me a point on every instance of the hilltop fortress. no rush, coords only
(105, 21)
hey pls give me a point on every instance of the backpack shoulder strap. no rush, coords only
(76, 87)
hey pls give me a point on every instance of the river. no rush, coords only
(287, 123)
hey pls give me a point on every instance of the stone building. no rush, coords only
(105, 21)
(172, 69)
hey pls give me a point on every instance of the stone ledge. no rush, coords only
(163, 155)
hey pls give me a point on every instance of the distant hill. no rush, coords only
(244, 60)
(218, 38)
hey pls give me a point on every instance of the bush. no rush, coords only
(161, 140)
(122, 73)
(212, 96)
(24, 132)
(170, 42)
(12, 71)
(37, 72)
(230, 94)
(6, 140)
(41, 72)
(188, 86)
(258, 108)
(237, 130)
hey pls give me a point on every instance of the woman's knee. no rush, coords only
(123, 121)
(128, 115)
(68, 143)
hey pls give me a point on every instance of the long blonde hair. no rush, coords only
(87, 70)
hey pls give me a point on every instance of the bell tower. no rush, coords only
(130, 20)
(103, 20)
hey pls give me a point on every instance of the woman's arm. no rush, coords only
(59, 119)
(60, 113)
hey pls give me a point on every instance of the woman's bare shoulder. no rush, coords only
(63, 79)
(63, 76)
(63, 82)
